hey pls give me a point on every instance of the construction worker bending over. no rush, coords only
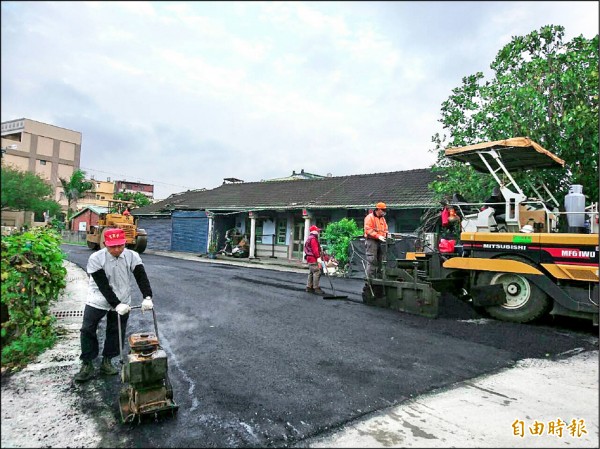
(110, 271)
(313, 254)
(376, 230)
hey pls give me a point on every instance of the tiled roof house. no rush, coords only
(282, 211)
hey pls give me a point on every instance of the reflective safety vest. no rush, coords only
(312, 248)
(375, 226)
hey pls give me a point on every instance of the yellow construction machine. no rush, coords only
(512, 257)
(118, 216)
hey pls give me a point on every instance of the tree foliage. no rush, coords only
(544, 89)
(75, 187)
(26, 191)
(337, 236)
(138, 198)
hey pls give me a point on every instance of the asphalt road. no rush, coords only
(257, 362)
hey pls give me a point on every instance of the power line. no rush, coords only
(140, 179)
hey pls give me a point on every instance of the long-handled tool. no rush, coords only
(334, 296)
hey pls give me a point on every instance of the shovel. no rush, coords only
(334, 296)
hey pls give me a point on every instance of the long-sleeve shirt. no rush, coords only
(110, 278)
(312, 248)
(375, 227)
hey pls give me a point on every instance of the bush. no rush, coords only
(24, 349)
(337, 236)
(33, 276)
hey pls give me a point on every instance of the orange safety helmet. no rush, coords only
(381, 206)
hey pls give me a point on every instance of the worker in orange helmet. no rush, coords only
(376, 231)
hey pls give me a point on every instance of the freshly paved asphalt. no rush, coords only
(257, 362)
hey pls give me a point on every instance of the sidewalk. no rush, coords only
(263, 262)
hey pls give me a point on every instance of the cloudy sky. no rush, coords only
(184, 94)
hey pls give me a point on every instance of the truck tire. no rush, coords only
(92, 245)
(525, 302)
(140, 244)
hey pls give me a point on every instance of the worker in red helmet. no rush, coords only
(376, 231)
(313, 254)
(111, 271)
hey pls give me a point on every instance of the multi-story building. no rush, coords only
(49, 151)
(134, 187)
(104, 191)
(101, 194)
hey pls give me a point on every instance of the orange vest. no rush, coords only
(375, 226)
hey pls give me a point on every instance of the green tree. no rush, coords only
(337, 236)
(26, 191)
(544, 89)
(138, 198)
(75, 187)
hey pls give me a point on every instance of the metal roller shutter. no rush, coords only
(190, 231)
(159, 231)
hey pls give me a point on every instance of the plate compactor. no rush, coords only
(146, 390)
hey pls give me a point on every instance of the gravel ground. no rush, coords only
(45, 387)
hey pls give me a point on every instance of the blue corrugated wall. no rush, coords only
(190, 231)
(159, 232)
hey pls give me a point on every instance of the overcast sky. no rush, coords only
(184, 94)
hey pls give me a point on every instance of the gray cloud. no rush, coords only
(184, 94)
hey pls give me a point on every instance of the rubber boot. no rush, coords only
(107, 367)
(85, 373)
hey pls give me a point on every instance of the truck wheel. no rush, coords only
(92, 245)
(140, 244)
(525, 302)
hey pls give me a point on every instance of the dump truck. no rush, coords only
(513, 257)
(118, 216)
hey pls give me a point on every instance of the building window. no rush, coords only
(281, 231)
(42, 162)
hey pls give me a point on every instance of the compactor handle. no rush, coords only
(120, 335)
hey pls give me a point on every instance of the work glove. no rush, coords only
(319, 260)
(122, 309)
(147, 304)
(381, 238)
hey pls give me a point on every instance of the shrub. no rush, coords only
(24, 349)
(337, 236)
(33, 276)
